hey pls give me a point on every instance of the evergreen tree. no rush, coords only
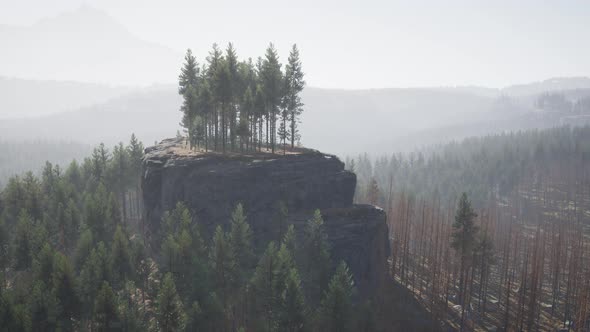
(64, 288)
(187, 87)
(290, 239)
(170, 314)
(23, 242)
(135, 151)
(336, 310)
(94, 272)
(5, 256)
(214, 64)
(100, 159)
(83, 248)
(240, 241)
(43, 265)
(271, 78)
(106, 316)
(121, 264)
(43, 307)
(132, 318)
(317, 257)
(265, 298)
(463, 240)
(294, 84)
(101, 214)
(223, 265)
(293, 315)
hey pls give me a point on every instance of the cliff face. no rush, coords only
(212, 184)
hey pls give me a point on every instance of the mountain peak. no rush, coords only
(84, 17)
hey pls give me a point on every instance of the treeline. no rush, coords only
(234, 105)
(73, 257)
(20, 156)
(525, 264)
(484, 167)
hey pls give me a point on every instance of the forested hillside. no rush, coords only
(517, 258)
(76, 256)
(23, 156)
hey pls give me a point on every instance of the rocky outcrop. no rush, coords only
(211, 184)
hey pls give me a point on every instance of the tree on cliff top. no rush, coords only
(231, 100)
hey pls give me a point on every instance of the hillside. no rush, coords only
(84, 45)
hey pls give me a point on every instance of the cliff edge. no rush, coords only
(211, 184)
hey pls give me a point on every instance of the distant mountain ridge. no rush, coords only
(85, 45)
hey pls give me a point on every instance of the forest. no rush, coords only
(234, 105)
(510, 254)
(75, 258)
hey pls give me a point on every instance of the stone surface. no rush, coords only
(211, 185)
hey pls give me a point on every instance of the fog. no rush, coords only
(381, 76)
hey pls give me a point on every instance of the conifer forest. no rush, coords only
(306, 166)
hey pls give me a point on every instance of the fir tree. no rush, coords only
(64, 288)
(264, 289)
(240, 240)
(317, 257)
(294, 84)
(223, 265)
(336, 310)
(293, 316)
(170, 314)
(121, 264)
(106, 316)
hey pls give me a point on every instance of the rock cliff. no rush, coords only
(211, 184)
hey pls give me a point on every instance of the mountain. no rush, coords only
(339, 121)
(150, 113)
(331, 117)
(552, 84)
(28, 98)
(84, 45)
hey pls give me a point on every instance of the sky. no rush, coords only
(365, 44)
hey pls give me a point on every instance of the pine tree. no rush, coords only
(317, 257)
(94, 272)
(294, 84)
(83, 248)
(121, 264)
(43, 307)
(187, 87)
(214, 62)
(293, 316)
(463, 241)
(170, 314)
(265, 298)
(336, 310)
(290, 240)
(106, 316)
(271, 78)
(240, 240)
(64, 288)
(232, 67)
(23, 242)
(43, 265)
(223, 265)
(283, 132)
(132, 317)
(5, 256)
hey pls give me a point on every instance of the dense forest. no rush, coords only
(75, 257)
(517, 259)
(234, 105)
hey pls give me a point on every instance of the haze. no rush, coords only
(345, 44)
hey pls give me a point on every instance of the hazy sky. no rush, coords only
(365, 44)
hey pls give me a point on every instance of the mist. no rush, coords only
(300, 166)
